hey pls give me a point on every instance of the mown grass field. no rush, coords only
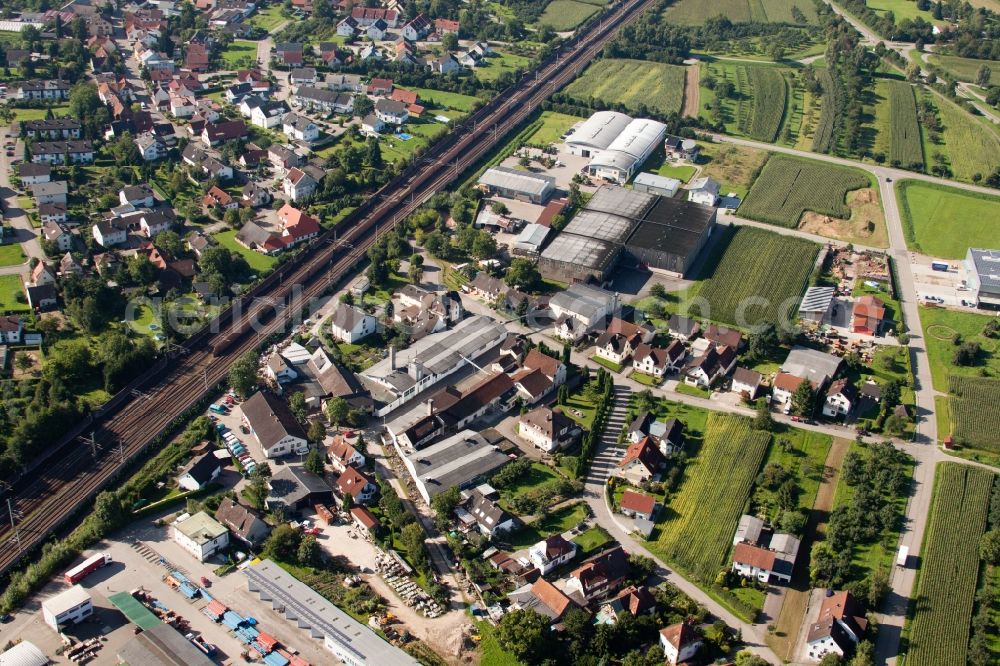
(499, 63)
(257, 261)
(696, 12)
(944, 221)
(554, 125)
(10, 288)
(905, 146)
(695, 531)
(939, 326)
(555, 522)
(759, 277)
(901, 9)
(436, 100)
(633, 83)
(949, 568)
(788, 187)
(966, 69)
(268, 18)
(11, 255)
(566, 15)
(735, 167)
(239, 53)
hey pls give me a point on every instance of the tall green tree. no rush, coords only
(243, 374)
(526, 634)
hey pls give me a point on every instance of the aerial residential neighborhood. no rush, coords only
(506, 333)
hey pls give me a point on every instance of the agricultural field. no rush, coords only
(966, 69)
(747, 272)
(905, 146)
(633, 83)
(942, 613)
(697, 12)
(975, 412)
(788, 187)
(823, 131)
(696, 535)
(968, 144)
(757, 107)
(566, 15)
(945, 222)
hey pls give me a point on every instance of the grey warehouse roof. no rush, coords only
(811, 364)
(521, 181)
(313, 612)
(598, 131)
(455, 461)
(162, 645)
(673, 224)
(655, 180)
(531, 237)
(581, 251)
(987, 263)
(605, 226)
(817, 299)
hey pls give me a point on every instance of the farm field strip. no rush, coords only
(944, 599)
(698, 533)
(905, 146)
(970, 146)
(565, 15)
(633, 83)
(760, 277)
(769, 100)
(788, 186)
(697, 12)
(975, 411)
(823, 137)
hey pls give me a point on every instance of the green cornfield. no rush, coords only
(905, 146)
(788, 186)
(697, 534)
(769, 98)
(759, 278)
(823, 136)
(942, 613)
(975, 411)
(633, 83)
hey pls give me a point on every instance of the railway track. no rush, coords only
(74, 474)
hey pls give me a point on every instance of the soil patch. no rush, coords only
(692, 92)
(866, 226)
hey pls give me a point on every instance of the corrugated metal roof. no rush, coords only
(817, 299)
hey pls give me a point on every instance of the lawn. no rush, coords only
(490, 652)
(436, 100)
(681, 172)
(901, 9)
(788, 187)
(499, 63)
(580, 410)
(11, 255)
(949, 567)
(694, 533)
(966, 69)
(697, 12)
(592, 539)
(258, 262)
(945, 222)
(632, 83)
(743, 288)
(695, 391)
(939, 326)
(422, 133)
(610, 365)
(538, 476)
(566, 15)
(553, 126)
(240, 52)
(556, 522)
(803, 453)
(39, 114)
(10, 289)
(268, 19)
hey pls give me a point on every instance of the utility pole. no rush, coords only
(94, 446)
(13, 524)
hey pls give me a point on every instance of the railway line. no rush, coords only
(77, 470)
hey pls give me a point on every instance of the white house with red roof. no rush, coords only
(680, 642)
(641, 462)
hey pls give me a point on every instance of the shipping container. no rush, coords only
(940, 266)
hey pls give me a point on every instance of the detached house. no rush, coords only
(539, 374)
(392, 112)
(350, 324)
(357, 485)
(656, 361)
(747, 382)
(298, 185)
(839, 628)
(299, 128)
(667, 435)
(599, 576)
(683, 328)
(342, 455)
(680, 642)
(840, 399)
(271, 421)
(11, 329)
(709, 367)
(773, 563)
(545, 429)
(244, 524)
(620, 340)
(551, 553)
(490, 517)
(347, 27)
(782, 389)
(417, 28)
(641, 462)
(638, 505)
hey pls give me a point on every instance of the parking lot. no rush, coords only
(945, 285)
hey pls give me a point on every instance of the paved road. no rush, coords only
(16, 217)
